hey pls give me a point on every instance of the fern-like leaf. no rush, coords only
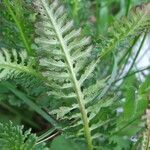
(67, 64)
(67, 50)
(16, 25)
(14, 138)
(123, 31)
(17, 67)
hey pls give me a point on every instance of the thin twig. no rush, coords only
(48, 138)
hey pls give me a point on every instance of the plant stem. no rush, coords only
(128, 54)
(30, 103)
(132, 73)
(137, 54)
(46, 134)
(18, 24)
(128, 7)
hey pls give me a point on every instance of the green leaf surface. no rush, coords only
(61, 143)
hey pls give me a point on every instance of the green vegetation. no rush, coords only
(66, 80)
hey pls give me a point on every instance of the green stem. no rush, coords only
(128, 7)
(18, 24)
(127, 54)
(46, 134)
(130, 74)
(31, 104)
(48, 138)
(137, 54)
(126, 125)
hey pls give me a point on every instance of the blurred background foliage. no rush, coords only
(95, 17)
